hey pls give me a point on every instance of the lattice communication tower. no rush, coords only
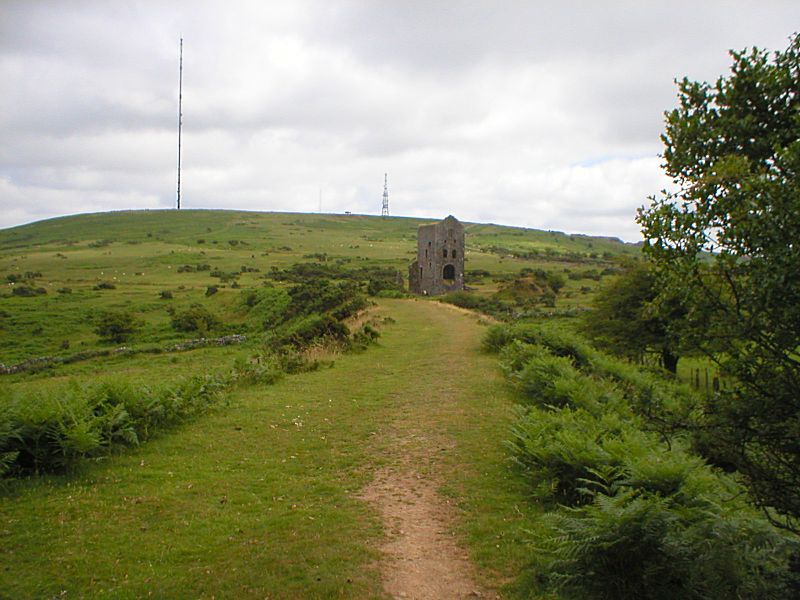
(385, 207)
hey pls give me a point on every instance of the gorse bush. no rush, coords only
(44, 433)
(301, 332)
(363, 337)
(304, 314)
(196, 318)
(340, 300)
(491, 306)
(266, 307)
(116, 327)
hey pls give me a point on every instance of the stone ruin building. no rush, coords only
(439, 267)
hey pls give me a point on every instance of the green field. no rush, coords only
(140, 254)
(260, 496)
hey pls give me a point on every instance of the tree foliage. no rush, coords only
(726, 241)
(116, 327)
(626, 320)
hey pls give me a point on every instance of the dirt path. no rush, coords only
(422, 557)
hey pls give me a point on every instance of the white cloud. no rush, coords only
(526, 113)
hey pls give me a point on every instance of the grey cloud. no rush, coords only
(528, 113)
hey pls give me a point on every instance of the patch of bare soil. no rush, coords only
(422, 560)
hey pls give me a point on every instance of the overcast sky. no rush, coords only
(538, 114)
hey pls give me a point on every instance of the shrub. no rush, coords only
(364, 336)
(105, 285)
(27, 291)
(391, 294)
(630, 545)
(116, 327)
(496, 337)
(51, 432)
(302, 332)
(560, 454)
(196, 318)
(489, 306)
(266, 306)
(64, 290)
(165, 295)
(638, 518)
(536, 380)
(320, 296)
(263, 370)
(293, 361)
(211, 290)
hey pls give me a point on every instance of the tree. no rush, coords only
(626, 319)
(726, 242)
(116, 327)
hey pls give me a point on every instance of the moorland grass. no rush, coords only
(143, 253)
(260, 499)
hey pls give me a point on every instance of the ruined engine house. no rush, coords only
(439, 267)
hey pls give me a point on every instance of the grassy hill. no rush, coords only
(257, 497)
(304, 461)
(76, 260)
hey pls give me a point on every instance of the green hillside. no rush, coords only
(145, 253)
(215, 404)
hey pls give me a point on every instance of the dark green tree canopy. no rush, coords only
(630, 319)
(726, 242)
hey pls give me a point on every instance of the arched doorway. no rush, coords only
(449, 272)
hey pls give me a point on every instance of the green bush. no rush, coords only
(116, 327)
(266, 307)
(630, 545)
(537, 378)
(490, 306)
(51, 432)
(264, 370)
(196, 318)
(496, 338)
(561, 455)
(301, 332)
(391, 294)
(340, 300)
(363, 337)
(631, 513)
(27, 291)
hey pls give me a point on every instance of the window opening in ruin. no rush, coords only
(449, 272)
(454, 254)
(426, 253)
(444, 253)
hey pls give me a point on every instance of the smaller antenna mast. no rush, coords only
(180, 118)
(385, 207)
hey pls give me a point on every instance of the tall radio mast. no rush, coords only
(180, 119)
(385, 207)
